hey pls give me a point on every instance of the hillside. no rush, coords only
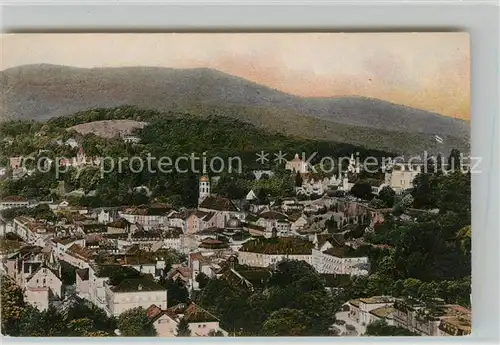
(40, 92)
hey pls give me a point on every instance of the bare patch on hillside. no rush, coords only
(108, 128)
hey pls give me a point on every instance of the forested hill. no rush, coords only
(43, 91)
(167, 135)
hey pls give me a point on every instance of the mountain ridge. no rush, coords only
(39, 92)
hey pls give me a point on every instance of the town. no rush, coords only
(343, 253)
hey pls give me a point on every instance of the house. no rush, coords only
(400, 177)
(78, 256)
(42, 287)
(199, 220)
(15, 163)
(274, 220)
(457, 322)
(201, 322)
(72, 143)
(339, 260)
(82, 282)
(133, 293)
(223, 208)
(297, 165)
(359, 309)
(265, 252)
(260, 173)
(291, 205)
(148, 217)
(251, 196)
(164, 321)
(432, 320)
(107, 216)
(299, 224)
(13, 201)
(177, 220)
(120, 226)
(131, 139)
(22, 264)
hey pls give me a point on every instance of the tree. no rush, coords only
(217, 333)
(183, 328)
(47, 323)
(362, 190)
(177, 291)
(387, 196)
(298, 180)
(455, 161)
(202, 279)
(381, 328)
(98, 318)
(12, 303)
(135, 323)
(286, 322)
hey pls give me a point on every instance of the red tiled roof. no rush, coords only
(14, 198)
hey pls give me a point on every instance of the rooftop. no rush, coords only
(377, 300)
(218, 203)
(278, 245)
(383, 312)
(138, 284)
(193, 313)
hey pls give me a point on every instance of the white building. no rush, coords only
(204, 189)
(359, 309)
(41, 287)
(13, 202)
(332, 257)
(401, 177)
(299, 224)
(134, 293)
(201, 322)
(149, 219)
(297, 165)
(130, 139)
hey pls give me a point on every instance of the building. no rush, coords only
(13, 202)
(133, 293)
(400, 177)
(42, 287)
(201, 322)
(432, 320)
(199, 220)
(299, 224)
(297, 165)
(272, 220)
(131, 139)
(153, 217)
(265, 252)
(360, 309)
(204, 189)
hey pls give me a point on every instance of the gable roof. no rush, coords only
(218, 203)
(193, 313)
(273, 215)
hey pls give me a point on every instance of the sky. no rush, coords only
(428, 71)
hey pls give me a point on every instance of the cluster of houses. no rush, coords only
(234, 239)
(426, 319)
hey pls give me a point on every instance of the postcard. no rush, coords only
(235, 184)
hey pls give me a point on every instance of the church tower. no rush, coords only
(204, 190)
